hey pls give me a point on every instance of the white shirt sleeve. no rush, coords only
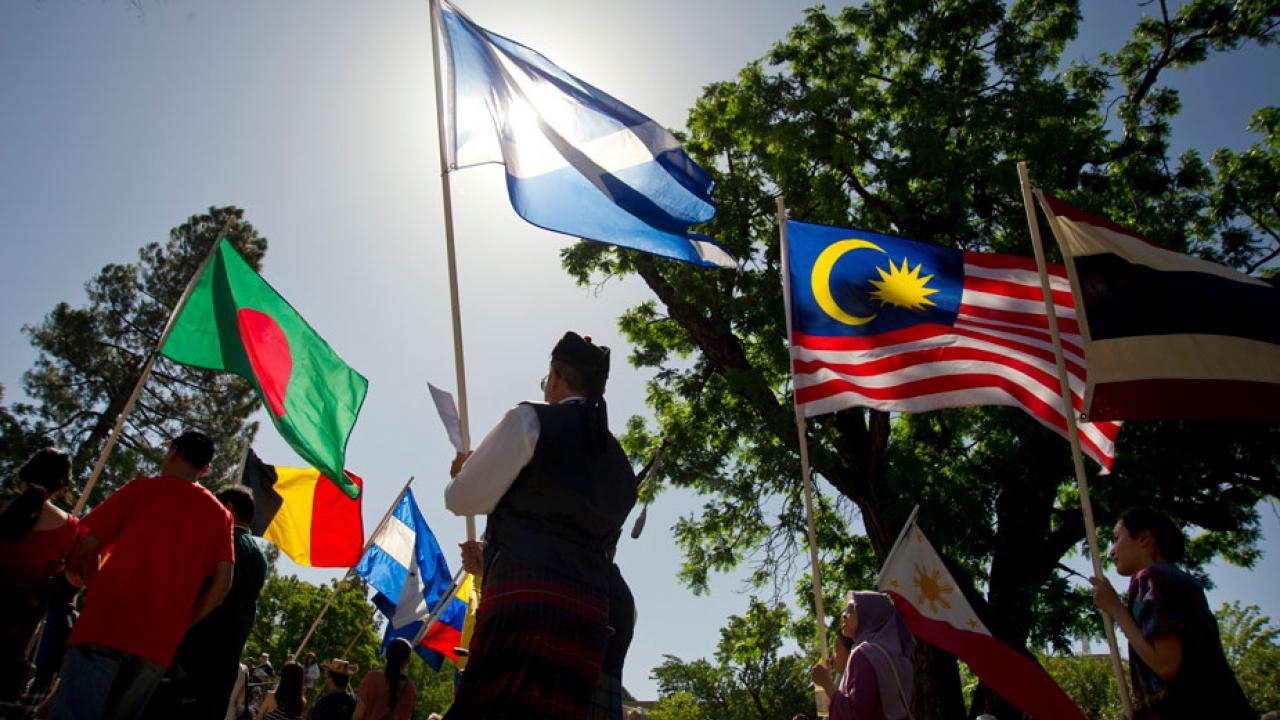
(489, 472)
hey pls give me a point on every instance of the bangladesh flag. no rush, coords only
(237, 323)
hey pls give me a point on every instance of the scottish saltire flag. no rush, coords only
(1167, 335)
(407, 570)
(578, 161)
(898, 325)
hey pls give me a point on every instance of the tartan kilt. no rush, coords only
(538, 647)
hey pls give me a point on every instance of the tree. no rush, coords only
(908, 118)
(288, 606)
(1252, 644)
(1090, 682)
(90, 359)
(750, 678)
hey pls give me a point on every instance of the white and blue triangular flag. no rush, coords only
(578, 161)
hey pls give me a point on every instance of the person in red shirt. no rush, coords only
(36, 537)
(145, 555)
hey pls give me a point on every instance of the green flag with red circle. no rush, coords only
(235, 322)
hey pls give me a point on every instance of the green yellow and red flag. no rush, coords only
(235, 322)
(305, 515)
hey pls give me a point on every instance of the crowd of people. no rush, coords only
(171, 578)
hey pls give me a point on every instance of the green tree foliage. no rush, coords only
(908, 117)
(1089, 681)
(1252, 644)
(750, 678)
(17, 442)
(90, 359)
(288, 606)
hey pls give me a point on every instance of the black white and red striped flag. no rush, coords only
(897, 325)
(1168, 335)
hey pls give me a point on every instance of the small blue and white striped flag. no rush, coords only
(578, 161)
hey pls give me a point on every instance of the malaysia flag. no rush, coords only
(897, 325)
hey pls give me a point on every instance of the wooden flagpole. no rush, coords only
(146, 370)
(815, 566)
(447, 195)
(1073, 436)
(342, 581)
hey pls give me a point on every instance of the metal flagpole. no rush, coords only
(816, 567)
(1073, 436)
(441, 604)
(146, 370)
(342, 581)
(454, 306)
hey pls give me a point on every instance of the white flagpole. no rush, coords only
(454, 305)
(815, 566)
(1068, 408)
(146, 370)
(342, 581)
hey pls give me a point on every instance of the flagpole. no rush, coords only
(915, 511)
(441, 604)
(146, 370)
(334, 595)
(1068, 408)
(447, 195)
(801, 427)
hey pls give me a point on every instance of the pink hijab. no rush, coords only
(880, 623)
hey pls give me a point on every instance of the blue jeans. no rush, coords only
(102, 683)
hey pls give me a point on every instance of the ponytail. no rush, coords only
(397, 654)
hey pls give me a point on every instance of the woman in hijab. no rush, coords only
(877, 679)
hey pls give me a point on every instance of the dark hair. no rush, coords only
(45, 472)
(340, 680)
(1168, 536)
(240, 501)
(397, 653)
(289, 693)
(846, 642)
(574, 379)
(194, 447)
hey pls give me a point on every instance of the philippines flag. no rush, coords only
(1167, 335)
(926, 596)
(898, 325)
(578, 161)
(407, 570)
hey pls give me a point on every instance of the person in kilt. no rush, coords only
(557, 488)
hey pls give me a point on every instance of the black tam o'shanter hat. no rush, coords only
(584, 356)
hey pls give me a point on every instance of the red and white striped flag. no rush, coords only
(898, 325)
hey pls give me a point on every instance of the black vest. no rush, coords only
(565, 510)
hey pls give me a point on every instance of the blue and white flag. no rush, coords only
(406, 568)
(578, 161)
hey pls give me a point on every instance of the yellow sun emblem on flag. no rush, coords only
(903, 287)
(932, 589)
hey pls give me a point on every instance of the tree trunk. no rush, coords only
(937, 694)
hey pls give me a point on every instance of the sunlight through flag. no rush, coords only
(578, 161)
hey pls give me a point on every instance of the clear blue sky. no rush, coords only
(318, 118)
